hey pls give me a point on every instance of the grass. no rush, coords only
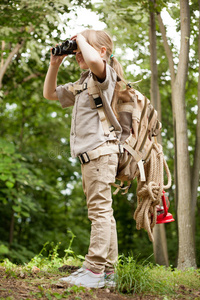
(145, 278)
(132, 277)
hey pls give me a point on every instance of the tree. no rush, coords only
(196, 162)
(22, 22)
(186, 257)
(160, 242)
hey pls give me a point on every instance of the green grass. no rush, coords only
(145, 278)
(132, 276)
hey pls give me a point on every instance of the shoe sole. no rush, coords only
(92, 286)
(110, 285)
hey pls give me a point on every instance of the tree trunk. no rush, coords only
(186, 252)
(12, 223)
(2, 50)
(169, 55)
(160, 243)
(196, 164)
(4, 65)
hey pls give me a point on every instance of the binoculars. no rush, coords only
(66, 47)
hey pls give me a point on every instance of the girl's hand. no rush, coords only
(93, 59)
(78, 38)
(56, 60)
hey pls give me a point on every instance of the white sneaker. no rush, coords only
(110, 280)
(72, 278)
(89, 279)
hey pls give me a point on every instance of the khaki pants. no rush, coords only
(97, 176)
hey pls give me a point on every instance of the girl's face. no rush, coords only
(80, 61)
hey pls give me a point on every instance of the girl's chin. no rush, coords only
(83, 67)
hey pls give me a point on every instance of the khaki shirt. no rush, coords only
(86, 128)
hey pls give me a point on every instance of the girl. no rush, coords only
(90, 142)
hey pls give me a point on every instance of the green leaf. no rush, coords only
(3, 200)
(3, 249)
(9, 184)
(16, 208)
(25, 214)
(6, 147)
(4, 177)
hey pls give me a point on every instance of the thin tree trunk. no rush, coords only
(12, 223)
(186, 252)
(167, 48)
(5, 65)
(196, 164)
(2, 50)
(169, 54)
(153, 60)
(160, 245)
(160, 242)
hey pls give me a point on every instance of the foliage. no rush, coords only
(131, 276)
(38, 176)
(41, 196)
(143, 277)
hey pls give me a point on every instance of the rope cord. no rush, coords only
(149, 193)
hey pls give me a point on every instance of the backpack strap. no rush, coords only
(121, 187)
(86, 157)
(95, 93)
(77, 88)
(138, 159)
(129, 107)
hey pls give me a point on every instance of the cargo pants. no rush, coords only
(97, 176)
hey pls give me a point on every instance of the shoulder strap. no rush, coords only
(94, 92)
(77, 88)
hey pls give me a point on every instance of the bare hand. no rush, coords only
(78, 38)
(56, 60)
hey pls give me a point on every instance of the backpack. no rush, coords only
(140, 155)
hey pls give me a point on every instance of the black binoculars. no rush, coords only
(66, 47)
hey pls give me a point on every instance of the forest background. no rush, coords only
(41, 197)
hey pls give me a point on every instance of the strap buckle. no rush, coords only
(112, 128)
(84, 87)
(98, 102)
(84, 158)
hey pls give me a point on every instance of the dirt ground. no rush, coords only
(40, 285)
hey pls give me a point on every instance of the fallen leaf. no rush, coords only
(35, 269)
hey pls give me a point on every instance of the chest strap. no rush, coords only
(77, 88)
(86, 157)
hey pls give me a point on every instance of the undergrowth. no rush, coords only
(132, 276)
(145, 278)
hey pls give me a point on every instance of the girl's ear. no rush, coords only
(103, 51)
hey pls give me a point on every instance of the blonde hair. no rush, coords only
(97, 39)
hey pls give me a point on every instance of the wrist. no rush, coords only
(54, 66)
(80, 39)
